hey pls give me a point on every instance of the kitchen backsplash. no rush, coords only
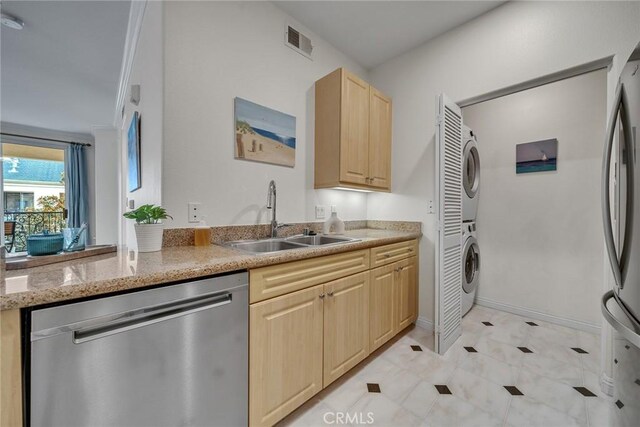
(227, 233)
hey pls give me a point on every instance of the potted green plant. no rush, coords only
(148, 226)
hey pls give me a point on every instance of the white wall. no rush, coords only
(105, 230)
(516, 42)
(540, 233)
(214, 52)
(147, 71)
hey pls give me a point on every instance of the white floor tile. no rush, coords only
(490, 369)
(524, 411)
(450, 410)
(420, 399)
(560, 396)
(383, 411)
(483, 394)
(553, 369)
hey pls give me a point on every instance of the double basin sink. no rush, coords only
(294, 242)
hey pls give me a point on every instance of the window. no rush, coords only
(17, 202)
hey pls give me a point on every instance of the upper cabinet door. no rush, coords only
(354, 149)
(379, 140)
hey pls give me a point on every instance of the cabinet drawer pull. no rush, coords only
(387, 255)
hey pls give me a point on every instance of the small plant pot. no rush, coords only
(149, 237)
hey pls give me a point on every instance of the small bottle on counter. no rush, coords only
(333, 225)
(202, 234)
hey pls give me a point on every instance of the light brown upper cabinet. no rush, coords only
(352, 134)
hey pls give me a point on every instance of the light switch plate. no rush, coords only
(195, 214)
(320, 212)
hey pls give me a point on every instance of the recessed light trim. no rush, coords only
(11, 22)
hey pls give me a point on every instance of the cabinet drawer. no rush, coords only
(275, 280)
(387, 254)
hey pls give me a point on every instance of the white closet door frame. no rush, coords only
(448, 263)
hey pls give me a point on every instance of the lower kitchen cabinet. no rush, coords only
(407, 292)
(382, 307)
(285, 354)
(346, 325)
(304, 340)
(393, 300)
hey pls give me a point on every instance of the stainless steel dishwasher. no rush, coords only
(169, 356)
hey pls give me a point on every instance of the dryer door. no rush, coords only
(470, 265)
(471, 168)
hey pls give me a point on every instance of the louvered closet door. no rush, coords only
(449, 224)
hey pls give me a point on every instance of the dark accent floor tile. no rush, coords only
(585, 391)
(443, 389)
(615, 361)
(637, 381)
(416, 348)
(525, 350)
(619, 404)
(373, 387)
(627, 347)
(532, 323)
(487, 323)
(513, 390)
(579, 350)
(471, 349)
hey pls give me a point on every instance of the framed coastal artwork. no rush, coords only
(133, 153)
(538, 156)
(264, 135)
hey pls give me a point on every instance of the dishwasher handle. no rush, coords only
(150, 316)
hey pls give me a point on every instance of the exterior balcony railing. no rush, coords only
(27, 223)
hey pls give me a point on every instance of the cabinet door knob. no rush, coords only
(330, 293)
(321, 296)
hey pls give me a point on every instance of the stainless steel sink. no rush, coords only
(265, 246)
(320, 240)
(295, 242)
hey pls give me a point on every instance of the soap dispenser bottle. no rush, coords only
(333, 225)
(202, 234)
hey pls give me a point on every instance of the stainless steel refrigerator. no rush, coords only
(621, 214)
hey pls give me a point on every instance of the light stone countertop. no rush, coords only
(125, 270)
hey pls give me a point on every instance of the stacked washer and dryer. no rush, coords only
(470, 247)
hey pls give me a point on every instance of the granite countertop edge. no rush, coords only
(235, 260)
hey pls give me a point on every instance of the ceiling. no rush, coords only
(61, 71)
(372, 32)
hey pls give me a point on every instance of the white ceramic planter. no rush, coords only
(149, 237)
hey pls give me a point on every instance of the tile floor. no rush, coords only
(505, 370)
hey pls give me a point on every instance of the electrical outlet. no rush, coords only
(194, 211)
(430, 208)
(131, 203)
(320, 212)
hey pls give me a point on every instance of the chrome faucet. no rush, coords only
(271, 204)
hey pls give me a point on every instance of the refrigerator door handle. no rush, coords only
(618, 266)
(625, 331)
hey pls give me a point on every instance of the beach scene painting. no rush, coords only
(264, 135)
(538, 156)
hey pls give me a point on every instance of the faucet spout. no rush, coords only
(271, 204)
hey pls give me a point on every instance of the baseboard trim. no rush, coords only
(534, 314)
(424, 323)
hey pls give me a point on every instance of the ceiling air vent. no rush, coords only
(297, 41)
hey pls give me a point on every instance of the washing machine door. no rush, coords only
(471, 168)
(470, 265)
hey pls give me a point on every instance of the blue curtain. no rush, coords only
(75, 175)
